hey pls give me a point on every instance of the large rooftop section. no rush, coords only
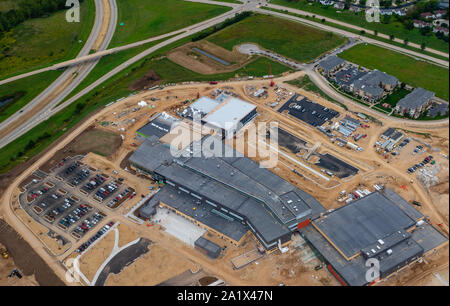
(362, 223)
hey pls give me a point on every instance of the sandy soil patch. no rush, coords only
(91, 261)
(156, 266)
(195, 61)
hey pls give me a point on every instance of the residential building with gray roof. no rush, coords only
(415, 103)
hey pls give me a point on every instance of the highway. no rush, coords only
(72, 77)
(13, 133)
(250, 5)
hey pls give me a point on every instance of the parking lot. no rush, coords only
(307, 111)
(73, 198)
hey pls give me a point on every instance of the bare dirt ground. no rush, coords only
(159, 265)
(91, 261)
(149, 80)
(8, 265)
(34, 269)
(195, 61)
(274, 268)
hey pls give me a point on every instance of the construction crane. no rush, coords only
(272, 83)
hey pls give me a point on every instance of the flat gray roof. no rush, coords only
(362, 222)
(159, 126)
(186, 203)
(389, 132)
(229, 113)
(204, 105)
(404, 247)
(150, 154)
(270, 203)
(210, 247)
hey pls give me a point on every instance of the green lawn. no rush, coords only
(394, 27)
(40, 42)
(230, 1)
(396, 96)
(38, 138)
(23, 92)
(171, 72)
(6, 5)
(369, 34)
(288, 38)
(408, 70)
(148, 18)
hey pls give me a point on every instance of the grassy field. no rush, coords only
(41, 136)
(406, 69)
(393, 27)
(6, 5)
(291, 39)
(396, 96)
(23, 92)
(369, 34)
(106, 64)
(40, 42)
(148, 18)
(229, 1)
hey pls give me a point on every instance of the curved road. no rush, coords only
(300, 12)
(72, 77)
(15, 132)
(250, 5)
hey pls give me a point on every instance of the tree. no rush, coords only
(347, 4)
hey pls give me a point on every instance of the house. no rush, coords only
(415, 103)
(427, 15)
(441, 30)
(400, 12)
(386, 12)
(339, 5)
(326, 2)
(440, 22)
(331, 64)
(440, 13)
(421, 24)
(355, 9)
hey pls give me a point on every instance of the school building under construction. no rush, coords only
(233, 197)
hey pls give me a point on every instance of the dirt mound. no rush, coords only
(187, 57)
(442, 187)
(149, 80)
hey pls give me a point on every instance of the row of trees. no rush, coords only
(238, 17)
(27, 9)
